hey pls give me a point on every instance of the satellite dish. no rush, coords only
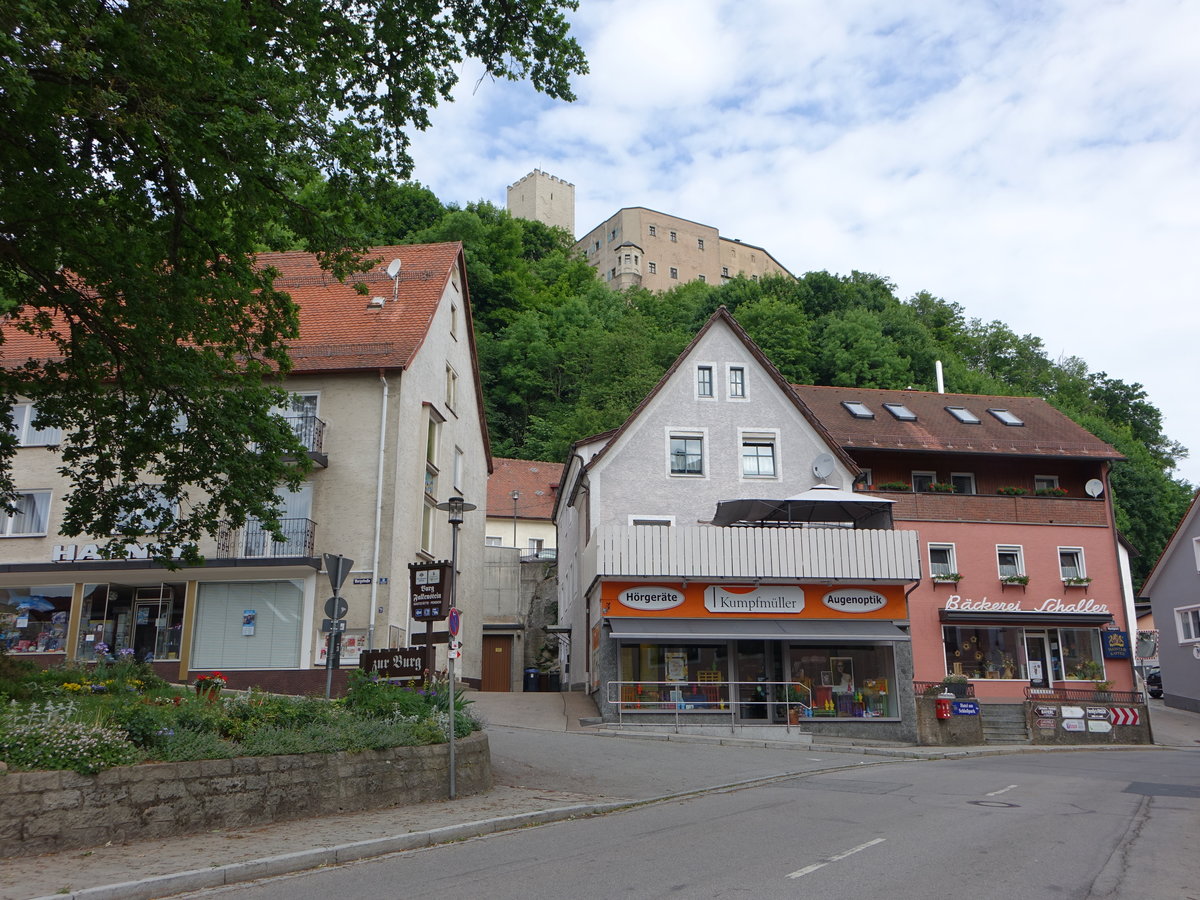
(393, 268)
(823, 466)
(1094, 488)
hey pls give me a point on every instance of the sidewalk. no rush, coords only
(547, 768)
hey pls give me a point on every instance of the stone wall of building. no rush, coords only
(46, 812)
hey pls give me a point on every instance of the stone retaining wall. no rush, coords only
(42, 812)
(957, 731)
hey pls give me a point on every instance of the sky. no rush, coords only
(1037, 163)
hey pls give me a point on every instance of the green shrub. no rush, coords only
(184, 745)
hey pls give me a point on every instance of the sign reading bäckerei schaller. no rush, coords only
(854, 600)
(650, 596)
(771, 599)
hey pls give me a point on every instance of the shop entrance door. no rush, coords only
(757, 663)
(1038, 656)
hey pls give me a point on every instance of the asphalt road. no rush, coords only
(1065, 826)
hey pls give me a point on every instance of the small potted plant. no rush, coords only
(210, 685)
(955, 684)
(1012, 490)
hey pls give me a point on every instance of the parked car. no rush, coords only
(1154, 682)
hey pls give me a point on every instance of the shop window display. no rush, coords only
(675, 676)
(1082, 658)
(845, 682)
(147, 620)
(984, 652)
(34, 619)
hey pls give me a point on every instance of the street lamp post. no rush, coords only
(454, 507)
(516, 495)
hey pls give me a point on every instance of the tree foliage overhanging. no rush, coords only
(147, 150)
(563, 357)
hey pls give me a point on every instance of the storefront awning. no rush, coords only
(1025, 619)
(755, 630)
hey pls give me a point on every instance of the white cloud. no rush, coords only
(1036, 162)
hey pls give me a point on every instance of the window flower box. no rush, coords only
(1077, 581)
(942, 487)
(1051, 492)
(893, 486)
(1012, 490)
(947, 578)
(1015, 579)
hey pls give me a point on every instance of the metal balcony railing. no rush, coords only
(309, 430)
(253, 541)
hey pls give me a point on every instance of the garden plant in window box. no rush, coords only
(942, 487)
(1052, 492)
(1012, 491)
(955, 684)
(947, 578)
(893, 486)
(1077, 581)
(1014, 579)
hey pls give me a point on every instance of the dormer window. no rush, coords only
(1006, 417)
(901, 412)
(963, 415)
(858, 409)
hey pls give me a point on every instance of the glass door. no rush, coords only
(1038, 655)
(758, 664)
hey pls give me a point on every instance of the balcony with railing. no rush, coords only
(751, 552)
(310, 431)
(1029, 509)
(254, 541)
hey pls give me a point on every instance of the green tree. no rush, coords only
(145, 146)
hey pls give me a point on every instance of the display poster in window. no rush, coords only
(1035, 670)
(676, 661)
(842, 674)
(249, 620)
(354, 642)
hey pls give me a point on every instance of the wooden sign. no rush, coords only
(399, 662)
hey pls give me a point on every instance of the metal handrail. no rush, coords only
(686, 697)
(1085, 694)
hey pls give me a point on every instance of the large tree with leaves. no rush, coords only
(144, 147)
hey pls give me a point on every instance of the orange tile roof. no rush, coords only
(537, 483)
(338, 332)
(1045, 432)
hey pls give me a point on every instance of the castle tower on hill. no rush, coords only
(544, 198)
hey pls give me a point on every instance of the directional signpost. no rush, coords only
(338, 567)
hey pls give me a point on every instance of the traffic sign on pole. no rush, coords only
(338, 567)
(453, 621)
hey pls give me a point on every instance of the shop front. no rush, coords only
(1006, 646)
(831, 659)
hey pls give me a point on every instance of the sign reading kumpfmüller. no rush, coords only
(768, 599)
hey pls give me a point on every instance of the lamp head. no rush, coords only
(455, 507)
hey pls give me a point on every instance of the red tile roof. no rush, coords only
(536, 481)
(1045, 432)
(338, 332)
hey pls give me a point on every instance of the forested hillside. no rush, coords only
(562, 356)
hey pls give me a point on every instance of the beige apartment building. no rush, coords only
(384, 394)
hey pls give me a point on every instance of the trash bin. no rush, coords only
(531, 681)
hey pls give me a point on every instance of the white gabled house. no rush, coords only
(686, 602)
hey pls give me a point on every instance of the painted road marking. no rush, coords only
(1001, 791)
(800, 873)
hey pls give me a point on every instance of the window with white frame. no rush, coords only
(432, 435)
(427, 526)
(491, 541)
(867, 477)
(1196, 550)
(153, 507)
(942, 564)
(1187, 621)
(453, 321)
(1009, 560)
(687, 454)
(451, 387)
(1045, 482)
(922, 481)
(704, 381)
(25, 428)
(31, 517)
(758, 456)
(1070, 563)
(458, 469)
(964, 482)
(737, 382)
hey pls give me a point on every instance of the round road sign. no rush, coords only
(453, 622)
(336, 607)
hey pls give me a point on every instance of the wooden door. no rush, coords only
(497, 662)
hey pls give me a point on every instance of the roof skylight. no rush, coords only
(901, 412)
(1006, 417)
(963, 415)
(858, 409)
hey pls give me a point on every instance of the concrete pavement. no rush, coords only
(547, 767)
